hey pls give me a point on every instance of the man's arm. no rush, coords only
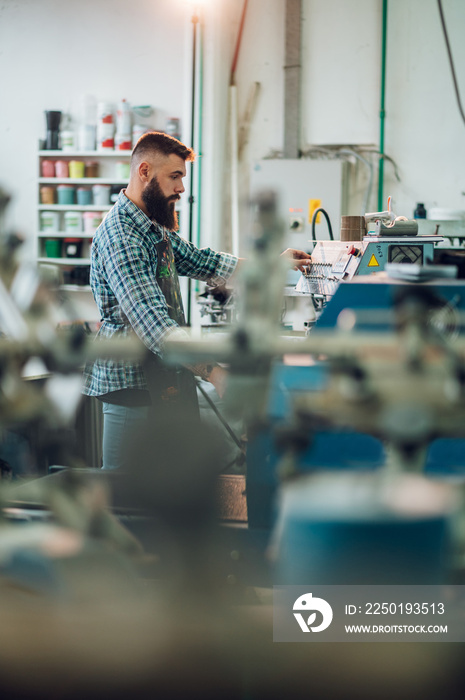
(298, 260)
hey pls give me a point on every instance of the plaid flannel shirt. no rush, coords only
(123, 280)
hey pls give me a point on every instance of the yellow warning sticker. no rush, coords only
(313, 205)
(373, 262)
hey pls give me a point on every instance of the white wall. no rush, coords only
(424, 132)
(341, 53)
(340, 71)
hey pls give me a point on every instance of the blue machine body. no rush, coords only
(328, 448)
(331, 448)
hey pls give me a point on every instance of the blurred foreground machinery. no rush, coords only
(86, 613)
(376, 387)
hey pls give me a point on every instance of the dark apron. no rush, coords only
(172, 388)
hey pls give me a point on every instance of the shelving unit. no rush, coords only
(74, 207)
(75, 270)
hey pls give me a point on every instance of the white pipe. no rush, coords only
(234, 171)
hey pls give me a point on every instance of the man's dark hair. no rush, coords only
(159, 142)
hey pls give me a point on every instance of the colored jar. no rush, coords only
(105, 112)
(123, 118)
(61, 168)
(91, 169)
(76, 168)
(53, 248)
(101, 194)
(66, 194)
(87, 137)
(123, 142)
(73, 222)
(68, 140)
(84, 196)
(49, 221)
(123, 171)
(105, 137)
(72, 247)
(92, 219)
(47, 194)
(48, 168)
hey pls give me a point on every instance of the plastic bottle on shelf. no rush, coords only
(105, 127)
(105, 137)
(105, 113)
(86, 137)
(123, 137)
(123, 118)
(123, 142)
(67, 135)
(420, 211)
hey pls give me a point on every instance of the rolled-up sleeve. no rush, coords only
(203, 264)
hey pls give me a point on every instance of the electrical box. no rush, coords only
(302, 186)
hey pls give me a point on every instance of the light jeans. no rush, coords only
(119, 424)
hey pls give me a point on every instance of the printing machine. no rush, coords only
(368, 244)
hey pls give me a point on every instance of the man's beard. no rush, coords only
(160, 208)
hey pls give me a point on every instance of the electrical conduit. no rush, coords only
(382, 113)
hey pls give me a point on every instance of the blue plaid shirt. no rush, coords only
(123, 280)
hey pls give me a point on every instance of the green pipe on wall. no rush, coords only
(382, 113)
(200, 134)
(199, 143)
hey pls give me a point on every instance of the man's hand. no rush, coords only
(298, 258)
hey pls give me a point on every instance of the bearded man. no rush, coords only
(136, 257)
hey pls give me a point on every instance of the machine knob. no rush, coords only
(352, 250)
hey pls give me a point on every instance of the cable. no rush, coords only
(222, 420)
(315, 214)
(451, 60)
